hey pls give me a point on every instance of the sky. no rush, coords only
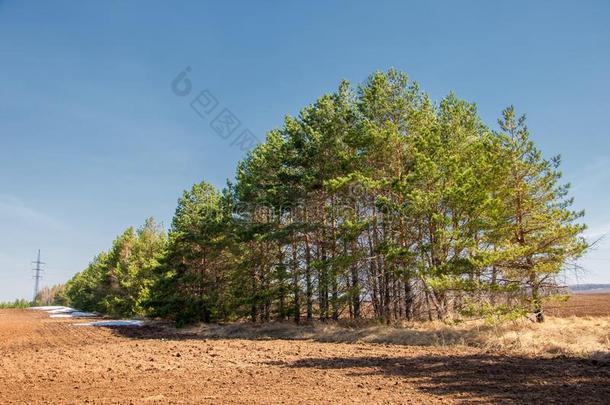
(95, 138)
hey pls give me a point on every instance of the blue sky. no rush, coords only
(92, 138)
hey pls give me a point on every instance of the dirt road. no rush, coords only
(47, 360)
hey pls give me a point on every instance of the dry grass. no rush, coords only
(578, 327)
(573, 336)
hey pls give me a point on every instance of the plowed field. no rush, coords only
(46, 360)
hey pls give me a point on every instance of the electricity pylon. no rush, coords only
(37, 275)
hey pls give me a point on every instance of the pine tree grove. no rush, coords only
(374, 202)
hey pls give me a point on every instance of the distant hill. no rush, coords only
(589, 288)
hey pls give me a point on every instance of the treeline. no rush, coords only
(118, 282)
(18, 303)
(374, 202)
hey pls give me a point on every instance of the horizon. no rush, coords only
(96, 137)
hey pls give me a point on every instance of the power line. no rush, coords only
(37, 276)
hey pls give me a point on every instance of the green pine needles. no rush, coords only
(374, 202)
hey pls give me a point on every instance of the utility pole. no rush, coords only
(37, 275)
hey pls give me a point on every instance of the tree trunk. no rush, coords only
(295, 284)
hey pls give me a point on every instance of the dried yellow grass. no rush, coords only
(573, 336)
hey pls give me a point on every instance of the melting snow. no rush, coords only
(58, 311)
(121, 322)
(51, 308)
(64, 310)
(74, 314)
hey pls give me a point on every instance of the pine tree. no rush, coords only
(541, 233)
(191, 282)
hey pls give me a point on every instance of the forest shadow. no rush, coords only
(483, 376)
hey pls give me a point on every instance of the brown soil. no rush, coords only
(592, 304)
(47, 360)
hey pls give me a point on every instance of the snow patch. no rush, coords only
(49, 308)
(64, 310)
(75, 314)
(118, 322)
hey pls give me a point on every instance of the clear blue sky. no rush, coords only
(93, 140)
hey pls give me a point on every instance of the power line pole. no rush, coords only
(37, 275)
